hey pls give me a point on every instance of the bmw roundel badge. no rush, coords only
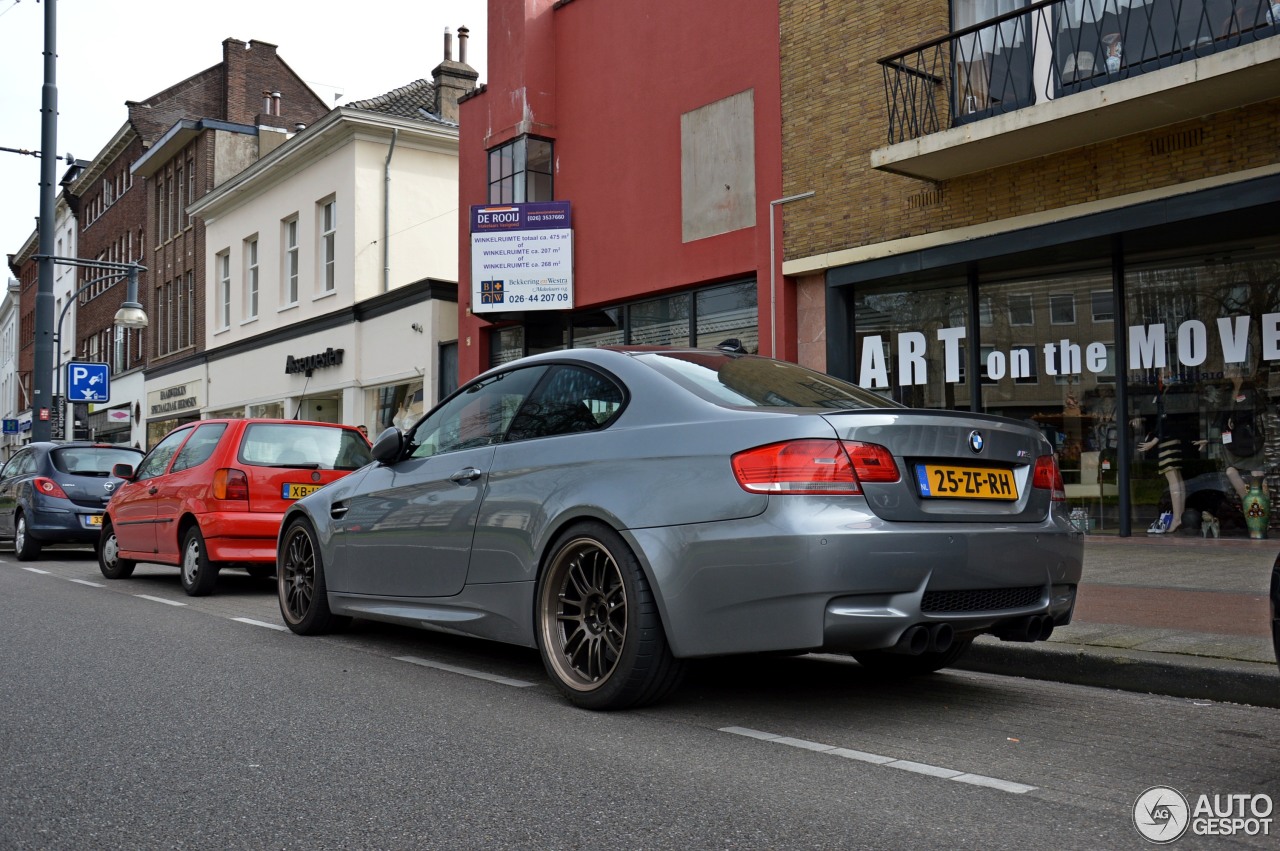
(975, 441)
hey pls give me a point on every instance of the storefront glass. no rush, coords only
(1205, 371)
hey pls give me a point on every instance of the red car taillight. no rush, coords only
(1048, 476)
(48, 487)
(813, 467)
(229, 483)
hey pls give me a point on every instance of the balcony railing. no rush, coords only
(1055, 48)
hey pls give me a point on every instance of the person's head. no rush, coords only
(363, 430)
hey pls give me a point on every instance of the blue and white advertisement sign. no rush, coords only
(521, 257)
(88, 382)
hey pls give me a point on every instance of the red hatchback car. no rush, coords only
(212, 493)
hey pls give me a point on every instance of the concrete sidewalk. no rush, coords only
(1179, 616)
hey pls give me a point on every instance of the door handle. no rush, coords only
(467, 474)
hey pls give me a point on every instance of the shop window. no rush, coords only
(661, 321)
(728, 314)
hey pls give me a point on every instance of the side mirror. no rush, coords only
(389, 446)
(122, 471)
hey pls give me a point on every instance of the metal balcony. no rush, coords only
(1060, 74)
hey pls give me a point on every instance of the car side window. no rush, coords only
(570, 399)
(16, 465)
(158, 458)
(477, 416)
(200, 447)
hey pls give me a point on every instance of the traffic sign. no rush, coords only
(88, 382)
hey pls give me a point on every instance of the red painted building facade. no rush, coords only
(660, 124)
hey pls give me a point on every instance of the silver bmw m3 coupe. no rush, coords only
(624, 510)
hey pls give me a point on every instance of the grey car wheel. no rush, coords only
(598, 627)
(198, 573)
(25, 547)
(304, 604)
(902, 664)
(109, 560)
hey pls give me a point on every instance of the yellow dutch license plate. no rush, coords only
(937, 480)
(94, 520)
(294, 490)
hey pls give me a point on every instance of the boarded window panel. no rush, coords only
(717, 167)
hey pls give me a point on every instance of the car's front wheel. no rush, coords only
(884, 662)
(304, 603)
(109, 560)
(198, 573)
(598, 627)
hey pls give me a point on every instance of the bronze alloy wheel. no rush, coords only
(584, 614)
(297, 575)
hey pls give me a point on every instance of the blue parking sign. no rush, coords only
(88, 382)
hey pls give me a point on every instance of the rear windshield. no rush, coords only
(302, 446)
(743, 381)
(92, 460)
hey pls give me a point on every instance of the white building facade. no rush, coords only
(332, 274)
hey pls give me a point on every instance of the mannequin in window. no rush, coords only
(1167, 435)
(1238, 424)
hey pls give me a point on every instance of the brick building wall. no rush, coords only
(835, 114)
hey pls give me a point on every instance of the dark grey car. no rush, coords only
(55, 493)
(625, 510)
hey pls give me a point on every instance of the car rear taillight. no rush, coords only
(1048, 476)
(48, 487)
(813, 467)
(230, 483)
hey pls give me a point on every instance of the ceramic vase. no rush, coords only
(1257, 509)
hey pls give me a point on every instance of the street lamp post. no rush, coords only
(41, 376)
(130, 315)
(773, 270)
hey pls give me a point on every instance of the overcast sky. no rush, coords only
(111, 51)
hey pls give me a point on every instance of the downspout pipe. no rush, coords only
(386, 213)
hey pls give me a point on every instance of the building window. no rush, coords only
(521, 171)
(328, 236)
(1062, 309)
(1103, 305)
(1021, 311)
(224, 289)
(251, 278)
(290, 239)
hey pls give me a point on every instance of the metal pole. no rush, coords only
(42, 370)
(773, 271)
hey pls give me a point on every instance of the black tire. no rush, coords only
(25, 546)
(109, 561)
(199, 575)
(261, 571)
(304, 602)
(597, 623)
(906, 665)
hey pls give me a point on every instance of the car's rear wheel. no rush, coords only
(109, 560)
(598, 627)
(25, 546)
(198, 573)
(304, 603)
(903, 664)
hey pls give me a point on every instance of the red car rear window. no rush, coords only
(303, 445)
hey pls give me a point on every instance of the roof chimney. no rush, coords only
(463, 32)
(452, 79)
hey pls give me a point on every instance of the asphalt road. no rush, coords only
(131, 722)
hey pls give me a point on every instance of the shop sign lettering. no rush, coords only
(1155, 346)
(329, 357)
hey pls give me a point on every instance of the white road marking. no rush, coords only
(252, 622)
(37, 570)
(466, 672)
(888, 761)
(87, 582)
(160, 600)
